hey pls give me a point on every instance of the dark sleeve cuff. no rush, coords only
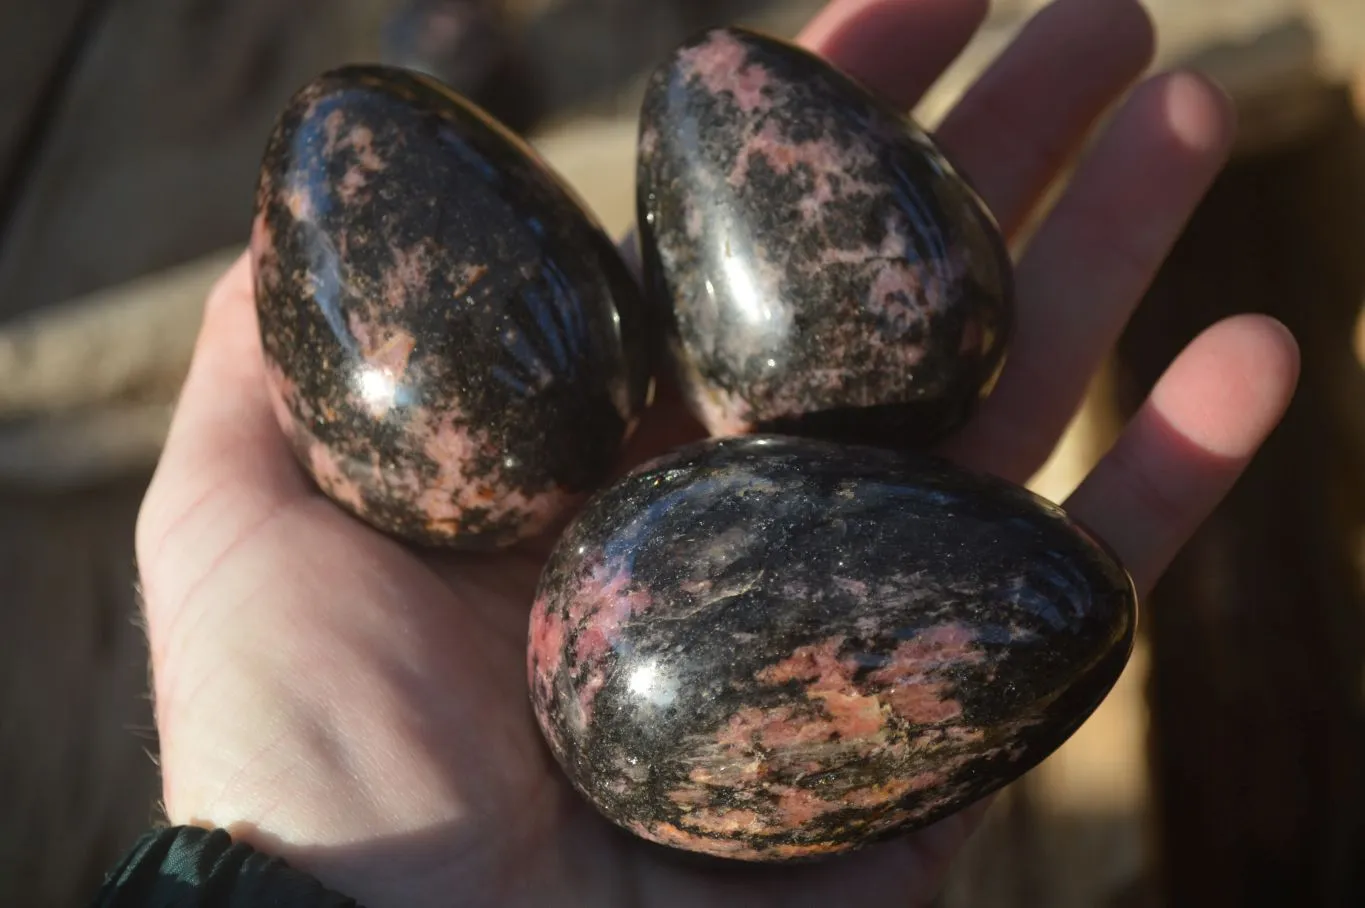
(185, 866)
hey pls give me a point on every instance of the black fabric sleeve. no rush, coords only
(188, 867)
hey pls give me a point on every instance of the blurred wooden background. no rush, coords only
(1228, 767)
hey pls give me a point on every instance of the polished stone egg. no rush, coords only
(818, 266)
(773, 648)
(455, 349)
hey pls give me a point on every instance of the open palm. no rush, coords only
(360, 709)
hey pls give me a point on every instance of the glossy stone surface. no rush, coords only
(454, 347)
(819, 267)
(770, 648)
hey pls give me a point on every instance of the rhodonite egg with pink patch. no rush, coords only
(818, 265)
(773, 648)
(453, 345)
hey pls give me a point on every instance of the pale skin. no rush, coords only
(360, 710)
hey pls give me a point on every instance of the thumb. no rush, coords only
(225, 467)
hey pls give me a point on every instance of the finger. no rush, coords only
(1031, 110)
(1091, 261)
(1189, 442)
(897, 48)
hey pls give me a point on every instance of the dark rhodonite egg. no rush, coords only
(771, 648)
(452, 343)
(820, 268)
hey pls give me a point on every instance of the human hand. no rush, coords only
(359, 709)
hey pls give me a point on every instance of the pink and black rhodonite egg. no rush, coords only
(818, 265)
(453, 345)
(771, 648)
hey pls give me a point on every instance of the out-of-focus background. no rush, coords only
(1228, 767)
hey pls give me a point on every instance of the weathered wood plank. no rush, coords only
(36, 44)
(75, 778)
(154, 158)
(62, 359)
